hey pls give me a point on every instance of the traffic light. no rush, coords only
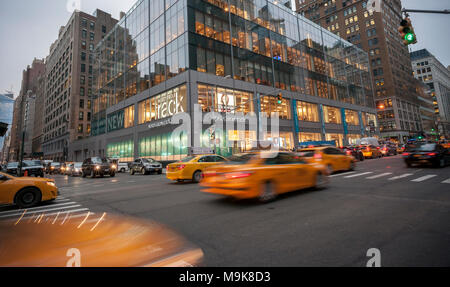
(407, 32)
(280, 98)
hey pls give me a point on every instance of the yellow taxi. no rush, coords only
(446, 143)
(192, 167)
(333, 158)
(263, 175)
(26, 192)
(371, 151)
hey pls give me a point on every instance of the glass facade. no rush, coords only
(121, 150)
(164, 105)
(163, 147)
(147, 47)
(263, 43)
(254, 41)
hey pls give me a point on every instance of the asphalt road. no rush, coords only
(405, 213)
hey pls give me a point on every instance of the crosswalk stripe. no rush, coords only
(401, 176)
(39, 211)
(446, 181)
(380, 175)
(359, 174)
(62, 214)
(423, 178)
(341, 174)
(39, 207)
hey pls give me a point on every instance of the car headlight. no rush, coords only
(113, 166)
(51, 183)
(97, 167)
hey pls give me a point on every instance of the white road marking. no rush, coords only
(359, 174)
(401, 176)
(423, 178)
(39, 211)
(341, 174)
(380, 175)
(446, 181)
(38, 208)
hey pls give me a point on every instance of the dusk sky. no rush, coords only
(27, 29)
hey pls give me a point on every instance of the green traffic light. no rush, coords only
(410, 37)
(280, 102)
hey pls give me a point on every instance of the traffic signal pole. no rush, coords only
(446, 11)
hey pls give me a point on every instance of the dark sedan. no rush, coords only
(96, 166)
(354, 151)
(427, 153)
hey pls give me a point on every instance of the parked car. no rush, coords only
(97, 166)
(76, 170)
(388, 149)
(354, 151)
(30, 167)
(145, 166)
(427, 153)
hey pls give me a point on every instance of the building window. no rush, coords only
(129, 117)
(332, 115)
(81, 104)
(269, 105)
(162, 106)
(224, 100)
(309, 137)
(80, 128)
(351, 117)
(307, 112)
(81, 116)
(338, 138)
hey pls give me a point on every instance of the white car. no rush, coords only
(123, 167)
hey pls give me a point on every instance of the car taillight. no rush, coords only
(237, 175)
(181, 167)
(378, 147)
(349, 152)
(318, 156)
(368, 148)
(406, 154)
(432, 154)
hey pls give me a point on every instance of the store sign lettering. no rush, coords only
(116, 121)
(170, 106)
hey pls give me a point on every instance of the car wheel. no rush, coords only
(330, 169)
(93, 174)
(352, 166)
(197, 176)
(321, 181)
(408, 164)
(132, 171)
(268, 193)
(160, 172)
(122, 170)
(143, 171)
(102, 175)
(112, 174)
(442, 163)
(83, 174)
(28, 197)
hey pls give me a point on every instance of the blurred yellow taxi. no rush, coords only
(93, 240)
(371, 151)
(26, 192)
(333, 158)
(192, 167)
(263, 175)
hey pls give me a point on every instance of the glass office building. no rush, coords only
(230, 57)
